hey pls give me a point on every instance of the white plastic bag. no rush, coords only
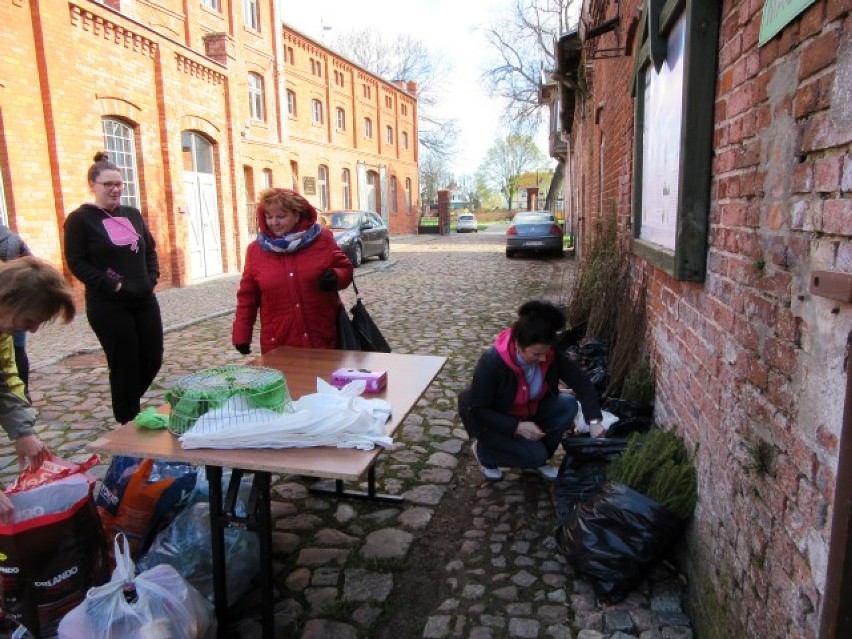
(581, 426)
(157, 604)
(329, 417)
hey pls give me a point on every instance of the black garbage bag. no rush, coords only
(614, 536)
(627, 408)
(625, 427)
(582, 470)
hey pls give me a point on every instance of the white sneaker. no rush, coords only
(491, 474)
(547, 472)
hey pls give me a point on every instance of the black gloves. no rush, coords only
(328, 280)
(244, 349)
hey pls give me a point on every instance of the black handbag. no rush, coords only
(360, 333)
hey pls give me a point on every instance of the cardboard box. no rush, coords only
(376, 380)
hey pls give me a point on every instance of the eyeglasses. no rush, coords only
(111, 185)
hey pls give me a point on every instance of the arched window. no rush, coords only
(119, 143)
(322, 178)
(408, 194)
(368, 128)
(255, 91)
(341, 119)
(347, 189)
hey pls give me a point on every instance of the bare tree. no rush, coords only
(507, 160)
(434, 175)
(402, 57)
(523, 44)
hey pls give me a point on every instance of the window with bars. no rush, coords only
(119, 142)
(255, 91)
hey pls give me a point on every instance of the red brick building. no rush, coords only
(202, 104)
(718, 135)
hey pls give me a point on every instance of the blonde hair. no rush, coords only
(33, 287)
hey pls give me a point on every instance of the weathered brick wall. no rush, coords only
(749, 364)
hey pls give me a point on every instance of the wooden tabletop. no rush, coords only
(408, 378)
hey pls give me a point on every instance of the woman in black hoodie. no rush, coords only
(108, 247)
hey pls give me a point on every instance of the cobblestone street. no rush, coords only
(460, 557)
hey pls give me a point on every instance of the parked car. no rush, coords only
(466, 223)
(359, 234)
(534, 231)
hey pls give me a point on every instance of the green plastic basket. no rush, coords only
(194, 395)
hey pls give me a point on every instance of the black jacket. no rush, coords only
(489, 401)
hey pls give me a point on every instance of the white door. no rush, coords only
(205, 245)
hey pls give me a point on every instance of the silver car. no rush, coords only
(534, 231)
(466, 223)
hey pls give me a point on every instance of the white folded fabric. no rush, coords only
(329, 417)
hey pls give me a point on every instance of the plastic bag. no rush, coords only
(51, 470)
(185, 545)
(614, 536)
(582, 470)
(156, 604)
(53, 551)
(139, 497)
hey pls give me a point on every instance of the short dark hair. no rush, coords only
(538, 323)
(101, 164)
(34, 287)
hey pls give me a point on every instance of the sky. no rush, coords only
(450, 27)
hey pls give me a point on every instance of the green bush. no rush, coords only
(656, 464)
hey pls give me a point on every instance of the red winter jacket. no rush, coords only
(285, 287)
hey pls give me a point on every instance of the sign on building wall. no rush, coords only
(309, 186)
(777, 14)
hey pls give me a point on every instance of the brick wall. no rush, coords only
(162, 72)
(749, 364)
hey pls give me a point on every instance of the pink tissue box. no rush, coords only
(376, 380)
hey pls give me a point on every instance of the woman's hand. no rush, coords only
(528, 430)
(29, 447)
(6, 509)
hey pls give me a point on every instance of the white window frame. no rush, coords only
(405, 139)
(291, 103)
(266, 179)
(408, 193)
(345, 181)
(341, 119)
(120, 143)
(4, 210)
(368, 128)
(212, 4)
(257, 109)
(389, 134)
(251, 15)
(316, 111)
(392, 194)
(322, 183)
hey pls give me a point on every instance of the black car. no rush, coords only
(360, 234)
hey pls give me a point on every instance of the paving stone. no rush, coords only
(388, 543)
(557, 632)
(330, 537)
(324, 629)
(362, 585)
(676, 632)
(588, 633)
(437, 627)
(618, 620)
(523, 628)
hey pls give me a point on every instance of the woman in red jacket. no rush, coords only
(292, 274)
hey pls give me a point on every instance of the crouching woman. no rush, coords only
(513, 407)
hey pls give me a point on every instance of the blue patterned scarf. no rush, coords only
(290, 243)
